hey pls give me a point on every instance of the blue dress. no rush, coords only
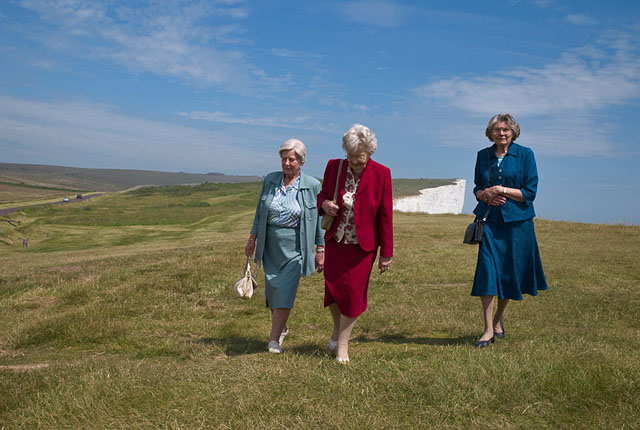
(509, 262)
(287, 226)
(282, 259)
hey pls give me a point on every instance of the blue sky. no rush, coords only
(200, 86)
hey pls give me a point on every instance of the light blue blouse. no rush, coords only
(285, 210)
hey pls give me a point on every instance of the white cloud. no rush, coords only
(281, 52)
(383, 13)
(583, 80)
(93, 135)
(300, 122)
(575, 87)
(581, 19)
(544, 3)
(177, 39)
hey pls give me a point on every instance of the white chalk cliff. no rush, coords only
(447, 199)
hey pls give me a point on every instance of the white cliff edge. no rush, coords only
(447, 199)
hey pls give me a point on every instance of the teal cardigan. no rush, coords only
(517, 170)
(310, 221)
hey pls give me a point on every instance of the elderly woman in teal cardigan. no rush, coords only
(509, 262)
(285, 229)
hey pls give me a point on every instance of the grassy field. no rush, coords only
(14, 194)
(119, 315)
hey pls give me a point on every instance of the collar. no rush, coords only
(278, 177)
(513, 150)
(294, 186)
(365, 178)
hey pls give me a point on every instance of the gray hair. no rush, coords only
(503, 117)
(297, 146)
(358, 135)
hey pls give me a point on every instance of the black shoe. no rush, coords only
(483, 343)
(499, 335)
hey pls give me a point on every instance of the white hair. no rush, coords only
(357, 135)
(503, 117)
(297, 146)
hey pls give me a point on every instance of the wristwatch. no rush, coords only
(504, 191)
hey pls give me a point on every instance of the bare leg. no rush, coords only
(335, 315)
(346, 325)
(497, 319)
(279, 317)
(487, 313)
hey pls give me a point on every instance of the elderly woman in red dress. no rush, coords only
(363, 223)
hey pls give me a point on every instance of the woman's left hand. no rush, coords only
(319, 261)
(493, 196)
(384, 263)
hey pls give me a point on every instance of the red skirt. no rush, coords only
(347, 269)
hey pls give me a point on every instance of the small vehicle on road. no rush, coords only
(66, 200)
(79, 196)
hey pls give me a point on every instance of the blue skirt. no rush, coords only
(509, 261)
(282, 263)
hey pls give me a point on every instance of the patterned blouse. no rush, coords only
(285, 210)
(346, 232)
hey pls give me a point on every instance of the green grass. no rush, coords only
(38, 187)
(411, 187)
(124, 318)
(12, 195)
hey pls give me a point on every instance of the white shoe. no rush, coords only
(333, 345)
(342, 360)
(283, 335)
(274, 347)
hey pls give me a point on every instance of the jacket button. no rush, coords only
(499, 177)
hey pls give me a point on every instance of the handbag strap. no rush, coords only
(248, 269)
(486, 214)
(335, 193)
(489, 165)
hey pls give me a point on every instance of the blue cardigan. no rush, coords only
(517, 170)
(310, 231)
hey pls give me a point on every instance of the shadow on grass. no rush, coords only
(434, 341)
(236, 345)
(240, 345)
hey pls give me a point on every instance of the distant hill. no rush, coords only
(82, 179)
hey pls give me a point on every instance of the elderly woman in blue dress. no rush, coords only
(284, 232)
(508, 257)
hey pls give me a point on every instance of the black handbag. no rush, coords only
(475, 231)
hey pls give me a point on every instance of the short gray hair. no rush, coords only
(503, 117)
(297, 146)
(358, 135)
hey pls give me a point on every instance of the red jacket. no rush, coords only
(373, 207)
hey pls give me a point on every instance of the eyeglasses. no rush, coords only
(498, 130)
(358, 157)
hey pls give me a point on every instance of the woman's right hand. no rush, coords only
(251, 247)
(330, 208)
(493, 196)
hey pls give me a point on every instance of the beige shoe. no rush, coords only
(274, 347)
(283, 335)
(342, 360)
(333, 345)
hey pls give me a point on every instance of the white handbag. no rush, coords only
(245, 286)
